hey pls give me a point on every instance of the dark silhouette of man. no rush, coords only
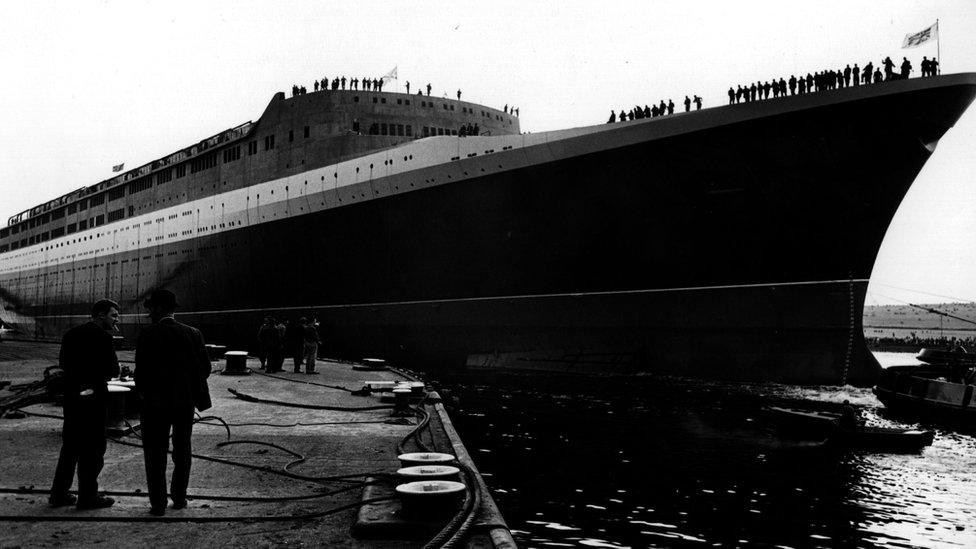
(933, 67)
(847, 76)
(670, 106)
(343, 82)
(906, 67)
(687, 104)
(408, 87)
(731, 95)
(889, 67)
(867, 72)
(613, 117)
(856, 75)
(459, 95)
(698, 103)
(171, 373)
(316, 85)
(428, 89)
(925, 66)
(792, 84)
(88, 359)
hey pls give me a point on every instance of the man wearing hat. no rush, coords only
(88, 359)
(171, 373)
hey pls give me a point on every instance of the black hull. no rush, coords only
(736, 247)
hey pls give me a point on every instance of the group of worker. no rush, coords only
(171, 370)
(653, 111)
(298, 340)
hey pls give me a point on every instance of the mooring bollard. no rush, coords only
(236, 364)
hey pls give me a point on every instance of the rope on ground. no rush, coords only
(250, 398)
(299, 457)
(457, 528)
(265, 374)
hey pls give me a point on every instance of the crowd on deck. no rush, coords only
(653, 111)
(796, 85)
(376, 84)
(829, 80)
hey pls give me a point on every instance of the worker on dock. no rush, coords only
(88, 359)
(311, 341)
(171, 373)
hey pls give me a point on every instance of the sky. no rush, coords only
(90, 84)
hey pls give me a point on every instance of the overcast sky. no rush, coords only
(91, 84)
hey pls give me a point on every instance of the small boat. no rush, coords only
(825, 426)
(940, 389)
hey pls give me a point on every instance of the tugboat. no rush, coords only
(940, 389)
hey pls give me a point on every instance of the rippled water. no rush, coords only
(651, 462)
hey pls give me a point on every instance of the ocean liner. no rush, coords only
(733, 242)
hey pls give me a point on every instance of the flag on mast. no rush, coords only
(392, 75)
(922, 36)
(118, 167)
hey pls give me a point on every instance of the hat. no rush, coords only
(161, 298)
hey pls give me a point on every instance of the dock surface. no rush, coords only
(229, 505)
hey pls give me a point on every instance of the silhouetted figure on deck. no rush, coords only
(906, 67)
(459, 95)
(516, 112)
(925, 67)
(792, 84)
(428, 89)
(698, 103)
(408, 87)
(613, 118)
(670, 106)
(878, 77)
(847, 76)
(867, 73)
(731, 95)
(934, 67)
(889, 67)
(856, 75)
(809, 82)
(802, 88)
(752, 92)
(315, 85)
(647, 111)
(343, 82)
(687, 104)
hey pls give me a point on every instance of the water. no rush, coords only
(651, 462)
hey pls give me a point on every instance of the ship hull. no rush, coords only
(741, 250)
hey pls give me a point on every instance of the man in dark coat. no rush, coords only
(88, 359)
(171, 373)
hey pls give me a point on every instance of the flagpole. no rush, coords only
(938, 47)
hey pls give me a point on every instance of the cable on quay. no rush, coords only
(265, 374)
(249, 398)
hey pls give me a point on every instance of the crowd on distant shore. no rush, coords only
(661, 109)
(968, 343)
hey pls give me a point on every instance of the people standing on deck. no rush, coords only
(687, 104)
(88, 359)
(878, 77)
(172, 367)
(889, 68)
(698, 103)
(906, 67)
(670, 106)
(408, 87)
(731, 95)
(310, 343)
(459, 95)
(933, 67)
(428, 89)
(856, 75)
(293, 344)
(867, 73)
(315, 85)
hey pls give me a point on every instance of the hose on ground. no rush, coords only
(194, 497)
(250, 398)
(457, 528)
(339, 387)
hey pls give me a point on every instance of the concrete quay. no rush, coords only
(234, 505)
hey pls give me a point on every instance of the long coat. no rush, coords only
(172, 367)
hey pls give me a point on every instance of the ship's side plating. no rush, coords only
(732, 242)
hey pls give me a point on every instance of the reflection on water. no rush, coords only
(648, 462)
